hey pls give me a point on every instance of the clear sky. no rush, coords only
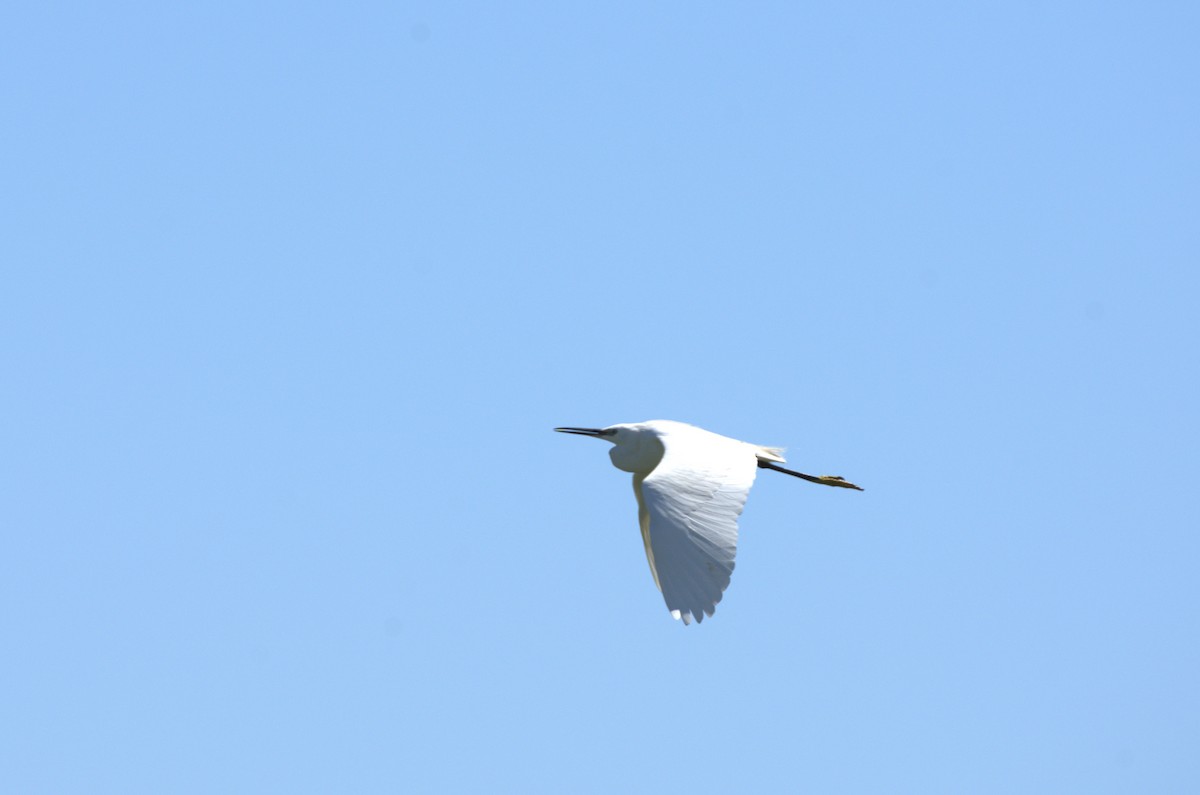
(293, 293)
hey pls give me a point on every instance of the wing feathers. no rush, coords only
(644, 523)
(692, 500)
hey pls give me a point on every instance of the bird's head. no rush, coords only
(636, 446)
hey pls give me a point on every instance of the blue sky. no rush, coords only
(293, 294)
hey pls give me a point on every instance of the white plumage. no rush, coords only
(691, 485)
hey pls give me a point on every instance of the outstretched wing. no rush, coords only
(688, 508)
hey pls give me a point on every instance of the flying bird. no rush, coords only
(691, 485)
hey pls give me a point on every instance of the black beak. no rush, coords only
(582, 431)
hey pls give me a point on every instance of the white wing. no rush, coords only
(688, 507)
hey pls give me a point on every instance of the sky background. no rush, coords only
(293, 293)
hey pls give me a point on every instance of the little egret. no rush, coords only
(691, 485)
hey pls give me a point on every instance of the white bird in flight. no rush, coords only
(691, 485)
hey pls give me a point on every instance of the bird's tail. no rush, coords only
(772, 454)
